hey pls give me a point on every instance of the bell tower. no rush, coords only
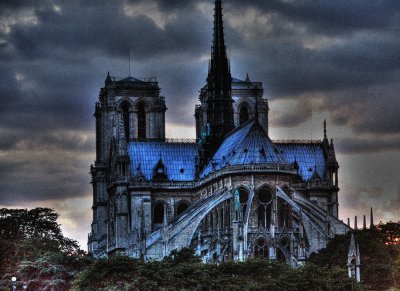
(128, 110)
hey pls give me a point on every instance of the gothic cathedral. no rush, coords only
(232, 194)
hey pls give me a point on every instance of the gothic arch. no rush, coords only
(244, 114)
(263, 206)
(125, 100)
(142, 124)
(160, 210)
(244, 196)
(145, 101)
(125, 110)
(259, 248)
(181, 206)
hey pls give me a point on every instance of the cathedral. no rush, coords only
(231, 194)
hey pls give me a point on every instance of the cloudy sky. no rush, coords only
(334, 60)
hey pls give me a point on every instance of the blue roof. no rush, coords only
(178, 159)
(248, 144)
(308, 155)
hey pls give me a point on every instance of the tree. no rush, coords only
(184, 271)
(378, 260)
(34, 249)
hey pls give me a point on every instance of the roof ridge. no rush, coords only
(296, 141)
(238, 128)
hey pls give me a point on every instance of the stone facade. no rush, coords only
(233, 196)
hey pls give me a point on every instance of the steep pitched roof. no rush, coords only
(308, 155)
(178, 159)
(247, 144)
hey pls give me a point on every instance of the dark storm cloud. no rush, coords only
(290, 118)
(330, 17)
(355, 145)
(88, 30)
(54, 56)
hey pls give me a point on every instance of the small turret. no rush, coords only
(108, 79)
(332, 156)
(160, 172)
(247, 78)
(353, 260)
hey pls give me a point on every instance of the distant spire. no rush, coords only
(364, 222)
(348, 221)
(325, 143)
(371, 226)
(355, 222)
(247, 78)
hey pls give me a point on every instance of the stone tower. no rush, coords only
(128, 110)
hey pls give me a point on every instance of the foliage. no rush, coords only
(35, 250)
(379, 262)
(184, 271)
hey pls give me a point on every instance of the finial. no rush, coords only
(364, 222)
(108, 79)
(247, 78)
(371, 226)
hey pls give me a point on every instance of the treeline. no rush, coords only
(34, 250)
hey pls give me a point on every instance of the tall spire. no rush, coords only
(219, 120)
(219, 76)
(365, 222)
(218, 48)
(355, 223)
(371, 226)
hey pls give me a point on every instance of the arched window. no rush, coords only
(264, 208)
(158, 213)
(243, 197)
(243, 115)
(260, 248)
(141, 121)
(284, 213)
(125, 118)
(181, 208)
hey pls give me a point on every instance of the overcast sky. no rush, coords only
(335, 60)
